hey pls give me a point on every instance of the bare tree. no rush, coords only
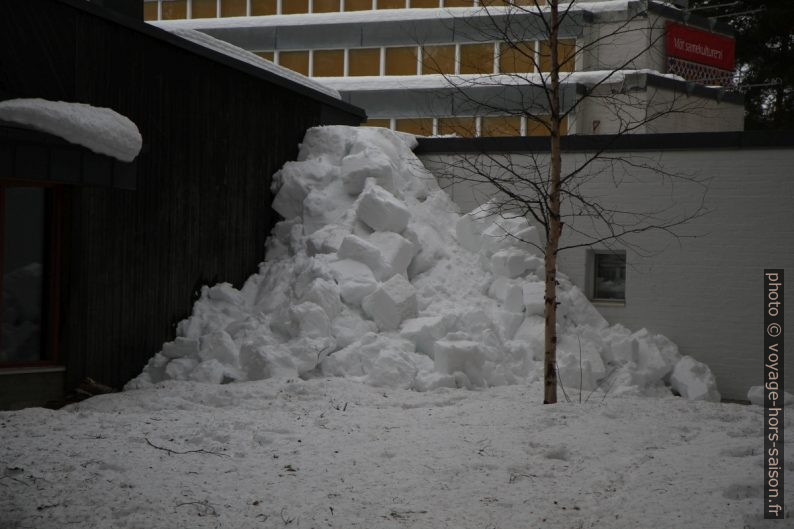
(548, 192)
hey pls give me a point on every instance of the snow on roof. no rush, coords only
(240, 54)
(101, 130)
(349, 84)
(348, 17)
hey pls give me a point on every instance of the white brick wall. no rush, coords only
(703, 291)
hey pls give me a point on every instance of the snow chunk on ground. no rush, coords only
(391, 303)
(756, 396)
(694, 380)
(101, 130)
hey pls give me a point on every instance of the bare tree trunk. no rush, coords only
(555, 226)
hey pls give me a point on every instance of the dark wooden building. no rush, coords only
(126, 247)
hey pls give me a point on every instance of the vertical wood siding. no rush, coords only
(134, 260)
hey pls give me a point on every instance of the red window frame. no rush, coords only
(51, 299)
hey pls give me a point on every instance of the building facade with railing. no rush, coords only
(458, 67)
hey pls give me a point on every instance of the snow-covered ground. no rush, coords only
(328, 391)
(338, 453)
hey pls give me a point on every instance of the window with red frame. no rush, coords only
(27, 281)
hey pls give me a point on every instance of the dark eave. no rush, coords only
(231, 62)
(756, 139)
(28, 155)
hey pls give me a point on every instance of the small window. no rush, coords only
(517, 58)
(566, 50)
(432, 4)
(609, 275)
(358, 5)
(401, 61)
(464, 127)
(328, 63)
(174, 9)
(268, 55)
(438, 59)
(378, 122)
(204, 9)
(233, 8)
(418, 126)
(539, 126)
(364, 61)
(325, 6)
(458, 3)
(476, 58)
(391, 4)
(150, 11)
(295, 60)
(501, 126)
(263, 7)
(294, 7)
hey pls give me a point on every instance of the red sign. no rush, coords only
(700, 46)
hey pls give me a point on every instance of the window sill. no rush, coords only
(30, 369)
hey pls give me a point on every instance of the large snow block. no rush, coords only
(508, 292)
(509, 262)
(324, 207)
(396, 253)
(510, 232)
(331, 143)
(391, 303)
(181, 347)
(380, 360)
(326, 240)
(296, 179)
(532, 332)
(180, 368)
(226, 293)
(311, 320)
(349, 326)
(424, 332)
(355, 280)
(535, 298)
(577, 309)
(694, 380)
(369, 163)
(381, 211)
(324, 293)
(262, 360)
(579, 363)
(358, 249)
(469, 227)
(219, 346)
(429, 245)
(756, 396)
(463, 356)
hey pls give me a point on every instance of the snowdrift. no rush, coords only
(374, 275)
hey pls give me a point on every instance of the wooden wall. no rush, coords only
(133, 261)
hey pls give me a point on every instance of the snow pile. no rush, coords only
(101, 130)
(375, 276)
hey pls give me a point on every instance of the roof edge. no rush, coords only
(166, 36)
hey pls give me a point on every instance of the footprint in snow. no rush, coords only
(741, 491)
(740, 451)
